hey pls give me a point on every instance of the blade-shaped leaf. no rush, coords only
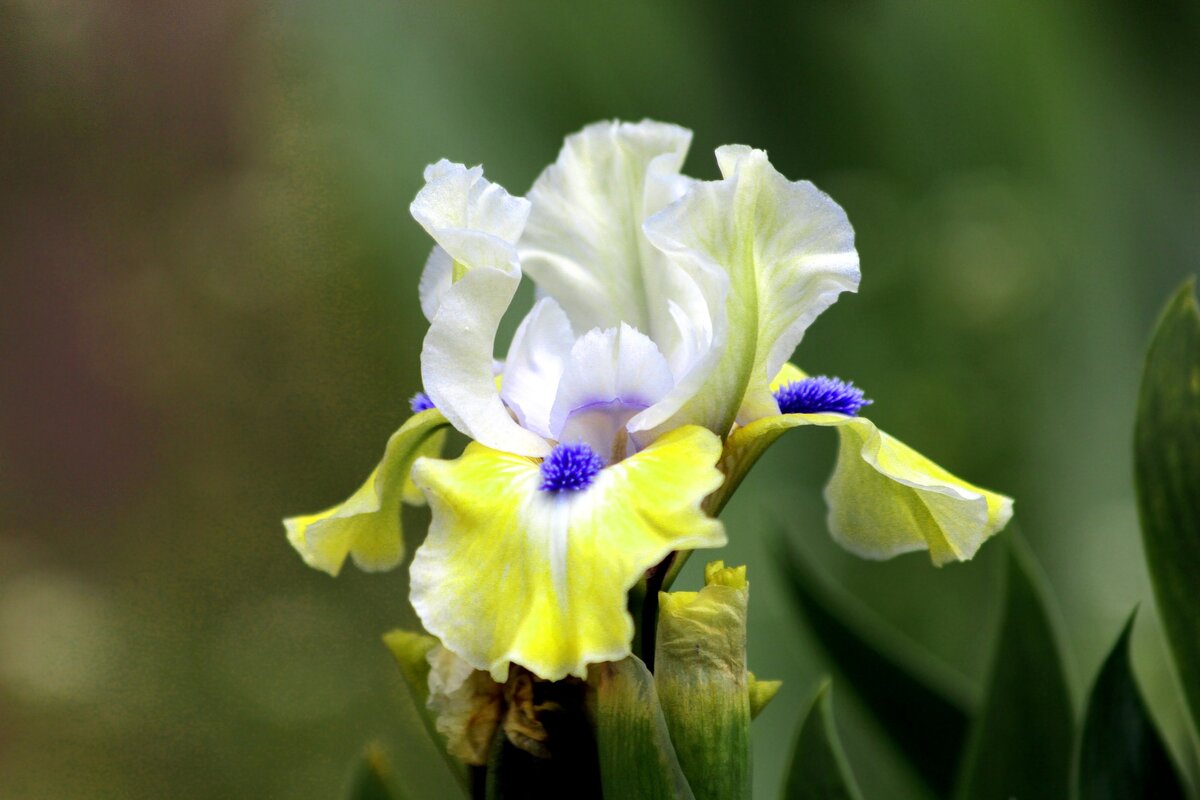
(637, 760)
(1021, 742)
(410, 649)
(1122, 755)
(819, 770)
(1167, 457)
(922, 705)
(370, 781)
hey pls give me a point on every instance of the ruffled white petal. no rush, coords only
(477, 223)
(462, 210)
(436, 279)
(788, 251)
(535, 363)
(584, 243)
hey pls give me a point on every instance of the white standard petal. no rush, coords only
(477, 223)
(788, 251)
(584, 243)
(461, 210)
(535, 363)
(436, 279)
(610, 376)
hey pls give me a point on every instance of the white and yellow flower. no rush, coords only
(644, 373)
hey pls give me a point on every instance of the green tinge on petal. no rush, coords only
(703, 685)
(432, 448)
(911, 503)
(743, 449)
(583, 244)
(366, 527)
(884, 497)
(786, 251)
(512, 574)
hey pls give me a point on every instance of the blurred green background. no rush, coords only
(209, 320)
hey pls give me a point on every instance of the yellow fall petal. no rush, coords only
(512, 574)
(366, 527)
(884, 497)
(432, 448)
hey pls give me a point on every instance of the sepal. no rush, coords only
(884, 497)
(367, 527)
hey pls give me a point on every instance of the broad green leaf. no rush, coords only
(410, 650)
(921, 704)
(703, 686)
(1167, 457)
(1122, 755)
(371, 781)
(819, 770)
(1022, 739)
(637, 760)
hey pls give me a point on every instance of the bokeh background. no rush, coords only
(209, 320)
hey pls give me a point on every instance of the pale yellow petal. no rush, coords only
(432, 448)
(512, 574)
(884, 497)
(366, 527)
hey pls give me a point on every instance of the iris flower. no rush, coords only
(650, 373)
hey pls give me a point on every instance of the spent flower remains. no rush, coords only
(649, 375)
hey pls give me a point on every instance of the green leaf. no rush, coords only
(637, 759)
(1167, 460)
(410, 650)
(370, 781)
(919, 702)
(819, 770)
(1022, 740)
(1122, 755)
